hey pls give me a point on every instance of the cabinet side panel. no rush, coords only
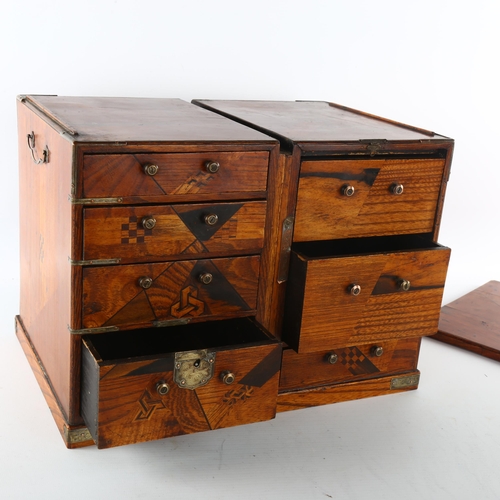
(45, 245)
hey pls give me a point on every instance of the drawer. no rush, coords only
(123, 175)
(150, 384)
(352, 198)
(356, 291)
(190, 290)
(346, 364)
(162, 232)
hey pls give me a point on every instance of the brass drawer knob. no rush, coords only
(212, 166)
(228, 377)
(404, 285)
(205, 278)
(162, 388)
(148, 222)
(332, 358)
(377, 351)
(150, 169)
(397, 188)
(347, 190)
(354, 289)
(145, 282)
(211, 219)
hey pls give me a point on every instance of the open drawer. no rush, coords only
(356, 291)
(142, 385)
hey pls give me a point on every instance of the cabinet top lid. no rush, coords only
(296, 122)
(130, 119)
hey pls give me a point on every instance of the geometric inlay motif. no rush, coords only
(131, 233)
(188, 303)
(148, 406)
(355, 361)
(242, 393)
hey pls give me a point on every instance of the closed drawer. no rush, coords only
(347, 364)
(190, 290)
(151, 384)
(159, 232)
(350, 292)
(352, 198)
(123, 175)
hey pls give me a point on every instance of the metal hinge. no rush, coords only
(171, 322)
(286, 247)
(94, 201)
(94, 262)
(90, 331)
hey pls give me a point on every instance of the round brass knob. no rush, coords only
(354, 289)
(404, 285)
(332, 358)
(150, 169)
(162, 388)
(347, 190)
(397, 188)
(148, 222)
(145, 282)
(377, 351)
(211, 219)
(205, 278)
(212, 166)
(228, 377)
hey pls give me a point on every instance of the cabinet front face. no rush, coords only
(354, 198)
(344, 300)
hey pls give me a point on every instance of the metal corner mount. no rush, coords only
(404, 382)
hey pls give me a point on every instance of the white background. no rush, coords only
(432, 64)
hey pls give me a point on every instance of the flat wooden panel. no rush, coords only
(332, 317)
(45, 245)
(178, 174)
(297, 400)
(472, 322)
(180, 230)
(353, 363)
(324, 213)
(113, 296)
(129, 408)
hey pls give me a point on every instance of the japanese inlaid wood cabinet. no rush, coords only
(184, 271)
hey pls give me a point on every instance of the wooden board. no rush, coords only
(472, 322)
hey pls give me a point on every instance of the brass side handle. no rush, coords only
(150, 169)
(148, 222)
(397, 188)
(162, 388)
(31, 146)
(145, 282)
(228, 377)
(211, 219)
(354, 289)
(347, 190)
(212, 167)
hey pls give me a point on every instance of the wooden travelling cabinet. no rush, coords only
(361, 274)
(183, 271)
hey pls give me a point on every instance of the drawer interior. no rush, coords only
(362, 246)
(158, 342)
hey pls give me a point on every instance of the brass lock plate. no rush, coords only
(193, 369)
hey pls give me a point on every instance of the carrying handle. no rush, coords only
(45, 152)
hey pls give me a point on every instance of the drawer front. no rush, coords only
(347, 364)
(145, 175)
(129, 402)
(160, 232)
(143, 294)
(323, 312)
(327, 209)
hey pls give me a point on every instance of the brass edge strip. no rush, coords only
(286, 246)
(96, 262)
(87, 331)
(403, 382)
(75, 436)
(171, 322)
(94, 201)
